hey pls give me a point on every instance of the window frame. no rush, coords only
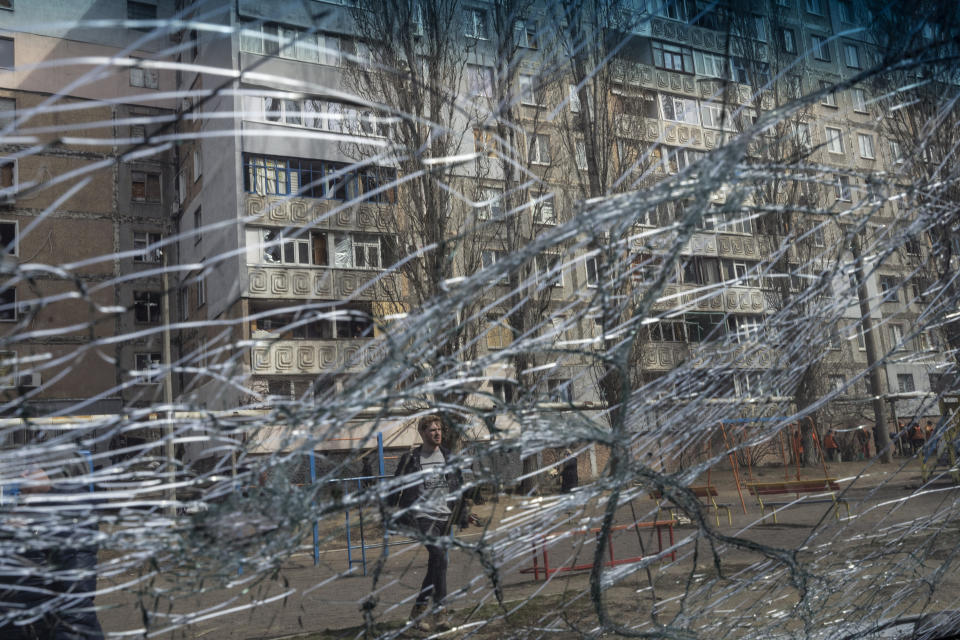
(677, 52)
(142, 240)
(147, 303)
(851, 56)
(858, 98)
(146, 181)
(536, 144)
(834, 140)
(820, 47)
(476, 22)
(866, 148)
(143, 372)
(842, 190)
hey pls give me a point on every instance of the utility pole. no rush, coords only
(878, 376)
(171, 492)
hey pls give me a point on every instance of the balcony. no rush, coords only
(311, 357)
(327, 283)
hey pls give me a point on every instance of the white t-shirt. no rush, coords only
(433, 499)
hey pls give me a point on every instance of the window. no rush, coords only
(485, 141)
(866, 145)
(9, 238)
(859, 99)
(526, 32)
(574, 100)
(846, 11)
(538, 148)
(842, 188)
(184, 301)
(580, 154)
(702, 327)
(8, 112)
(6, 4)
(912, 247)
(490, 205)
(543, 212)
(905, 383)
(147, 366)
(499, 335)
(490, 257)
(714, 116)
(889, 289)
(141, 11)
(144, 239)
(896, 155)
(834, 140)
(851, 55)
(815, 7)
(673, 57)
(679, 109)
(201, 289)
(667, 331)
(861, 339)
(197, 166)
(788, 40)
(476, 24)
(531, 92)
(197, 225)
(328, 50)
(745, 329)
(801, 132)
(146, 307)
(549, 269)
(830, 98)
(8, 179)
(821, 50)
(144, 186)
(593, 271)
(679, 158)
(6, 53)
(266, 175)
(838, 384)
(480, 80)
(712, 65)
(146, 78)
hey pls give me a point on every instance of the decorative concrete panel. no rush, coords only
(346, 284)
(254, 206)
(258, 281)
(688, 84)
(318, 217)
(675, 82)
(306, 357)
(366, 217)
(662, 80)
(277, 210)
(283, 357)
(323, 283)
(301, 283)
(299, 214)
(311, 357)
(344, 218)
(279, 283)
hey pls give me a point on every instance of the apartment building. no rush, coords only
(87, 201)
(287, 190)
(303, 198)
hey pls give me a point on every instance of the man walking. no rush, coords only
(431, 505)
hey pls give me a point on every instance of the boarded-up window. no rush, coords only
(144, 187)
(499, 335)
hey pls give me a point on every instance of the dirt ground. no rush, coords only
(885, 498)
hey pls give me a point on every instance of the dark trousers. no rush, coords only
(831, 455)
(73, 616)
(435, 582)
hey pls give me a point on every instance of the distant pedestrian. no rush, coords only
(55, 576)
(830, 446)
(863, 440)
(569, 478)
(431, 507)
(916, 437)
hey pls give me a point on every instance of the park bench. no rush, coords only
(707, 494)
(826, 487)
(542, 541)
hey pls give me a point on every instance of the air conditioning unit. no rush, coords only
(27, 307)
(29, 380)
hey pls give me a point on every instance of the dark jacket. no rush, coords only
(404, 498)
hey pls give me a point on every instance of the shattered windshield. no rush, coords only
(495, 318)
